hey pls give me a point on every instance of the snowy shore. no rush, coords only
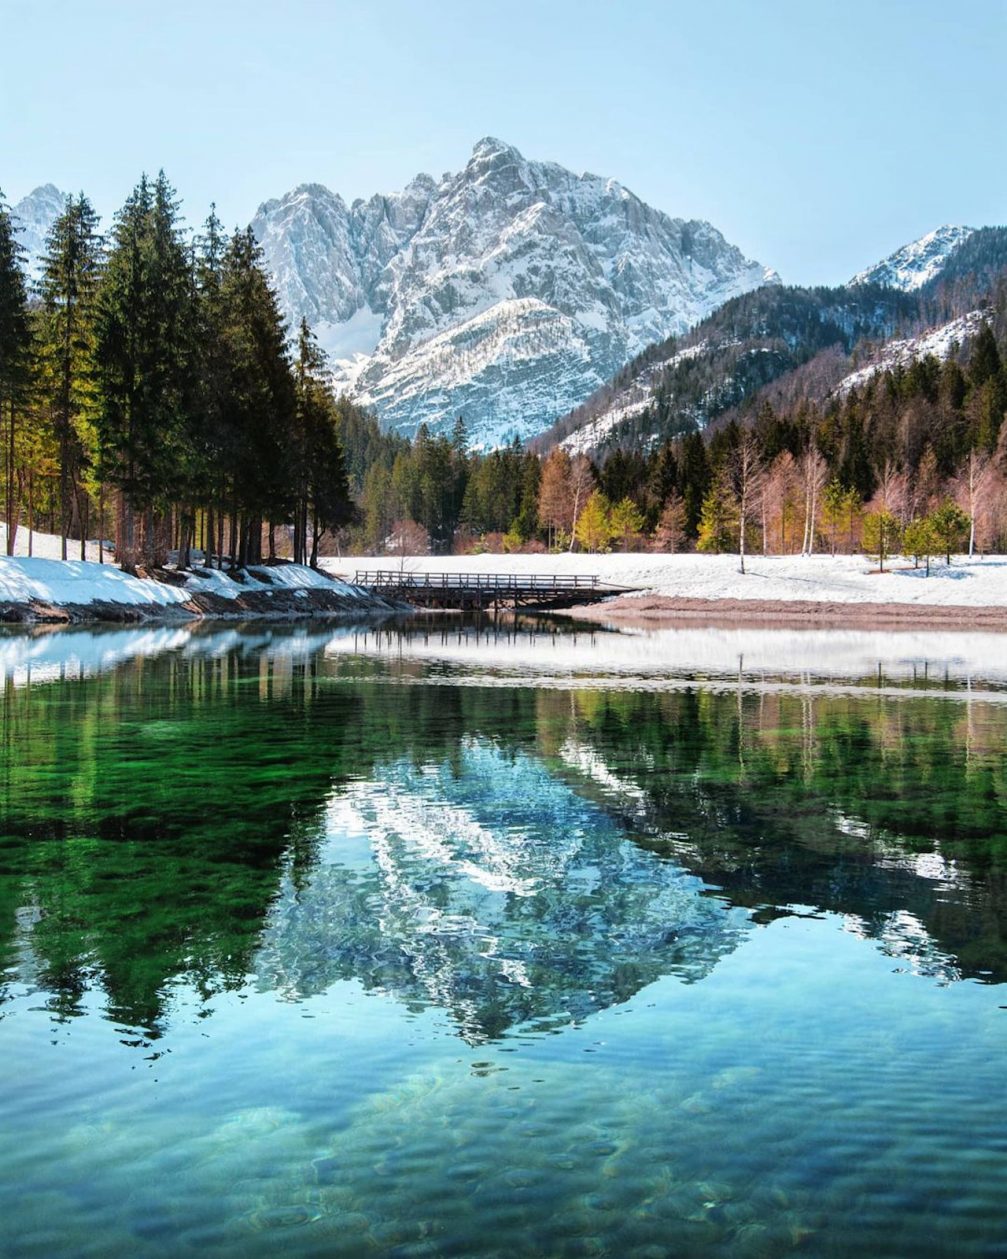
(822, 588)
(649, 589)
(41, 589)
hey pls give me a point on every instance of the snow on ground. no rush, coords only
(44, 578)
(45, 546)
(913, 265)
(811, 578)
(938, 341)
(60, 583)
(631, 401)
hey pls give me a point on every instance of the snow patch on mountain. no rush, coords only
(33, 217)
(505, 293)
(940, 342)
(913, 265)
(625, 405)
(518, 354)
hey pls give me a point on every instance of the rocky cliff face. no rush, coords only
(505, 293)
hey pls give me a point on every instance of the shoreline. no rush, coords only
(657, 611)
(39, 591)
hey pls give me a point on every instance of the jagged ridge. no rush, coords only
(506, 292)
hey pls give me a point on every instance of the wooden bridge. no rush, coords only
(477, 591)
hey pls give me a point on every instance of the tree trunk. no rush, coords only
(13, 510)
(316, 534)
(208, 524)
(125, 533)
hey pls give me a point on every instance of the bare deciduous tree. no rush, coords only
(814, 474)
(749, 478)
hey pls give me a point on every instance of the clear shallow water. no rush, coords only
(316, 951)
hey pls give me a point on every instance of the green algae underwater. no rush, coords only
(314, 953)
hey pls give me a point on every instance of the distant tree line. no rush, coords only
(915, 457)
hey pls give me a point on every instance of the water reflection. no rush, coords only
(206, 810)
(489, 888)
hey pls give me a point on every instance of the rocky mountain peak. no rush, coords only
(33, 216)
(506, 292)
(915, 264)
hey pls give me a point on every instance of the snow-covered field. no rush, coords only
(60, 583)
(788, 578)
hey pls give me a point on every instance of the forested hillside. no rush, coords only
(761, 337)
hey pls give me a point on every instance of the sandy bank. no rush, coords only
(650, 611)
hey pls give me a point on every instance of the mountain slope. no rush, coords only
(798, 340)
(917, 263)
(505, 293)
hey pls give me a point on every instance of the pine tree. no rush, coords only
(593, 529)
(15, 366)
(949, 524)
(626, 522)
(920, 541)
(694, 477)
(259, 399)
(322, 488)
(881, 535)
(718, 524)
(71, 270)
(210, 442)
(144, 353)
(833, 514)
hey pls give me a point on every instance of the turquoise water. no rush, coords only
(320, 946)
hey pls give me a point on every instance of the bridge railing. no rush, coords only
(390, 579)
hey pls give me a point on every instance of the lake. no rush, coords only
(538, 940)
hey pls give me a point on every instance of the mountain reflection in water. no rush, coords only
(219, 809)
(487, 887)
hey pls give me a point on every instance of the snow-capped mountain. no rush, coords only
(33, 216)
(915, 264)
(505, 293)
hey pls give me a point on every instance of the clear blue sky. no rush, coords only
(817, 135)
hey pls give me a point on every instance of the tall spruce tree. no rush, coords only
(15, 366)
(144, 351)
(259, 399)
(71, 269)
(210, 440)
